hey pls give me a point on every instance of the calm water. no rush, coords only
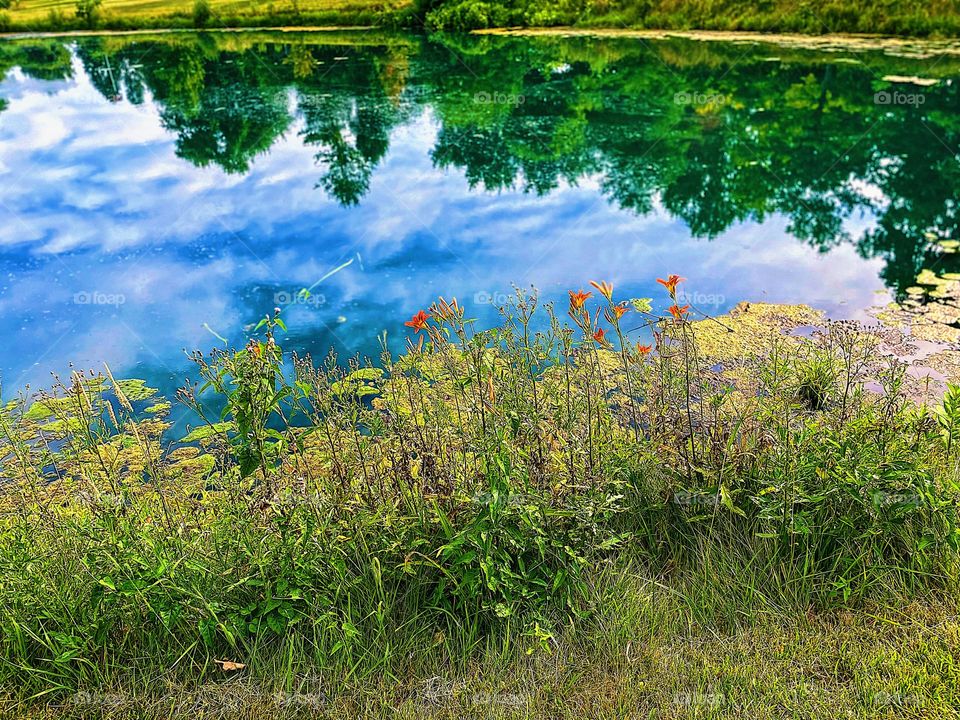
(161, 193)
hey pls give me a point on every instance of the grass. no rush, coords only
(641, 662)
(939, 18)
(538, 519)
(816, 17)
(36, 15)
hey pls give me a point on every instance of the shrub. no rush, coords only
(88, 12)
(467, 15)
(201, 13)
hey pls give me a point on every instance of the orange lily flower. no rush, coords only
(644, 349)
(605, 288)
(419, 321)
(671, 283)
(578, 298)
(678, 312)
(599, 336)
(620, 310)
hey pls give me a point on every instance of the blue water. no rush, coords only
(119, 246)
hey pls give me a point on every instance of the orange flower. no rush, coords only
(605, 288)
(619, 311)
(644, 349)
(578, 298)
(599, 336)
(671, 283)
(678, 312)
(419, 321)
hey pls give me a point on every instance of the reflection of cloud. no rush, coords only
(102, 204)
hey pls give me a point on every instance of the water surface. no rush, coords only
(161, 193)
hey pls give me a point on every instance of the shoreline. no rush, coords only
(31, 34)
(826, 42)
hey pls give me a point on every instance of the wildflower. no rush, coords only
(599, 336)
(447, 310)
(605, 288)
(615, 312)
(678, 312)
(419, 321)
(644, 349)
(671, 283)
(577, 299)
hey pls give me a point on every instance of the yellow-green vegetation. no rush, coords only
(60, 15)
(749, 514)
(903, 17)
(816, 17)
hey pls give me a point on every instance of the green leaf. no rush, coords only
(642, 305)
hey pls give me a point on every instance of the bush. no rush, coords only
(467, 15)
(201, 13)
(88, 12)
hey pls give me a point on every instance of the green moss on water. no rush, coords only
(747, 330)
(206, 432)
(136, 390)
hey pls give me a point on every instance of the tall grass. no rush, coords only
(815, 17)
(482, 494)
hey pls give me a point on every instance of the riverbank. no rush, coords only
(63, 16)
(779, 17)
(755, 513)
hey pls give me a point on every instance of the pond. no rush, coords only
(160, 193)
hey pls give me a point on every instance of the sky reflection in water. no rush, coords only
(119, 245)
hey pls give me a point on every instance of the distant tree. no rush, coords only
(201, 13)
(88, 12)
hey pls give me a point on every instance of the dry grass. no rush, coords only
(865, 664)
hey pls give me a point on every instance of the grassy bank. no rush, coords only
(68, 15)
(815, 17)
(915, 18)
(751, 514)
